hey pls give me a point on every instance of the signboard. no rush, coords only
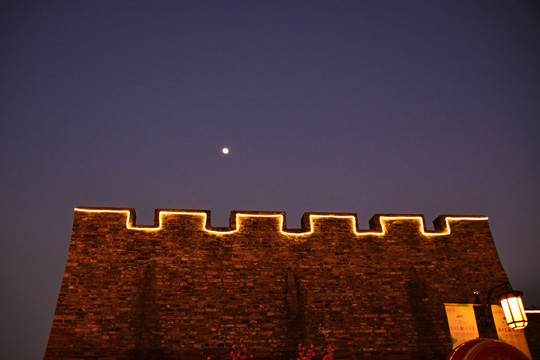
(462, 323)
(515, 338)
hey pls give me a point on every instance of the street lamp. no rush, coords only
(512, 305)
(513, 310)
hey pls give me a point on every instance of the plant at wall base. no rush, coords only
(303, 355)
(241, 353)
(238, 352)
(329, 353)
(310, 353)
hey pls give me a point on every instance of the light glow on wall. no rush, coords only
(313, 218)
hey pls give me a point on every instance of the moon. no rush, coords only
(225, 150)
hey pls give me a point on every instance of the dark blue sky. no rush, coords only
(365, 107)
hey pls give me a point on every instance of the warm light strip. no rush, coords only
(532, 311)
(312, 217)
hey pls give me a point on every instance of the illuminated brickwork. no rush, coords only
(183, 290)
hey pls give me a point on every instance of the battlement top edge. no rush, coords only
(311, 221)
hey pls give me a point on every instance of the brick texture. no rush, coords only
(182, 292)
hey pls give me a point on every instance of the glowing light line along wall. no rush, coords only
(312, 218)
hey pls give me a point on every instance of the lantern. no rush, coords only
(513, 310)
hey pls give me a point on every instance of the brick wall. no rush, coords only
(187, 291)
(532, 331)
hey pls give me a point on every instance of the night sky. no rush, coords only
(365, 107)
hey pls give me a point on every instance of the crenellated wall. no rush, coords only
(184, 290)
